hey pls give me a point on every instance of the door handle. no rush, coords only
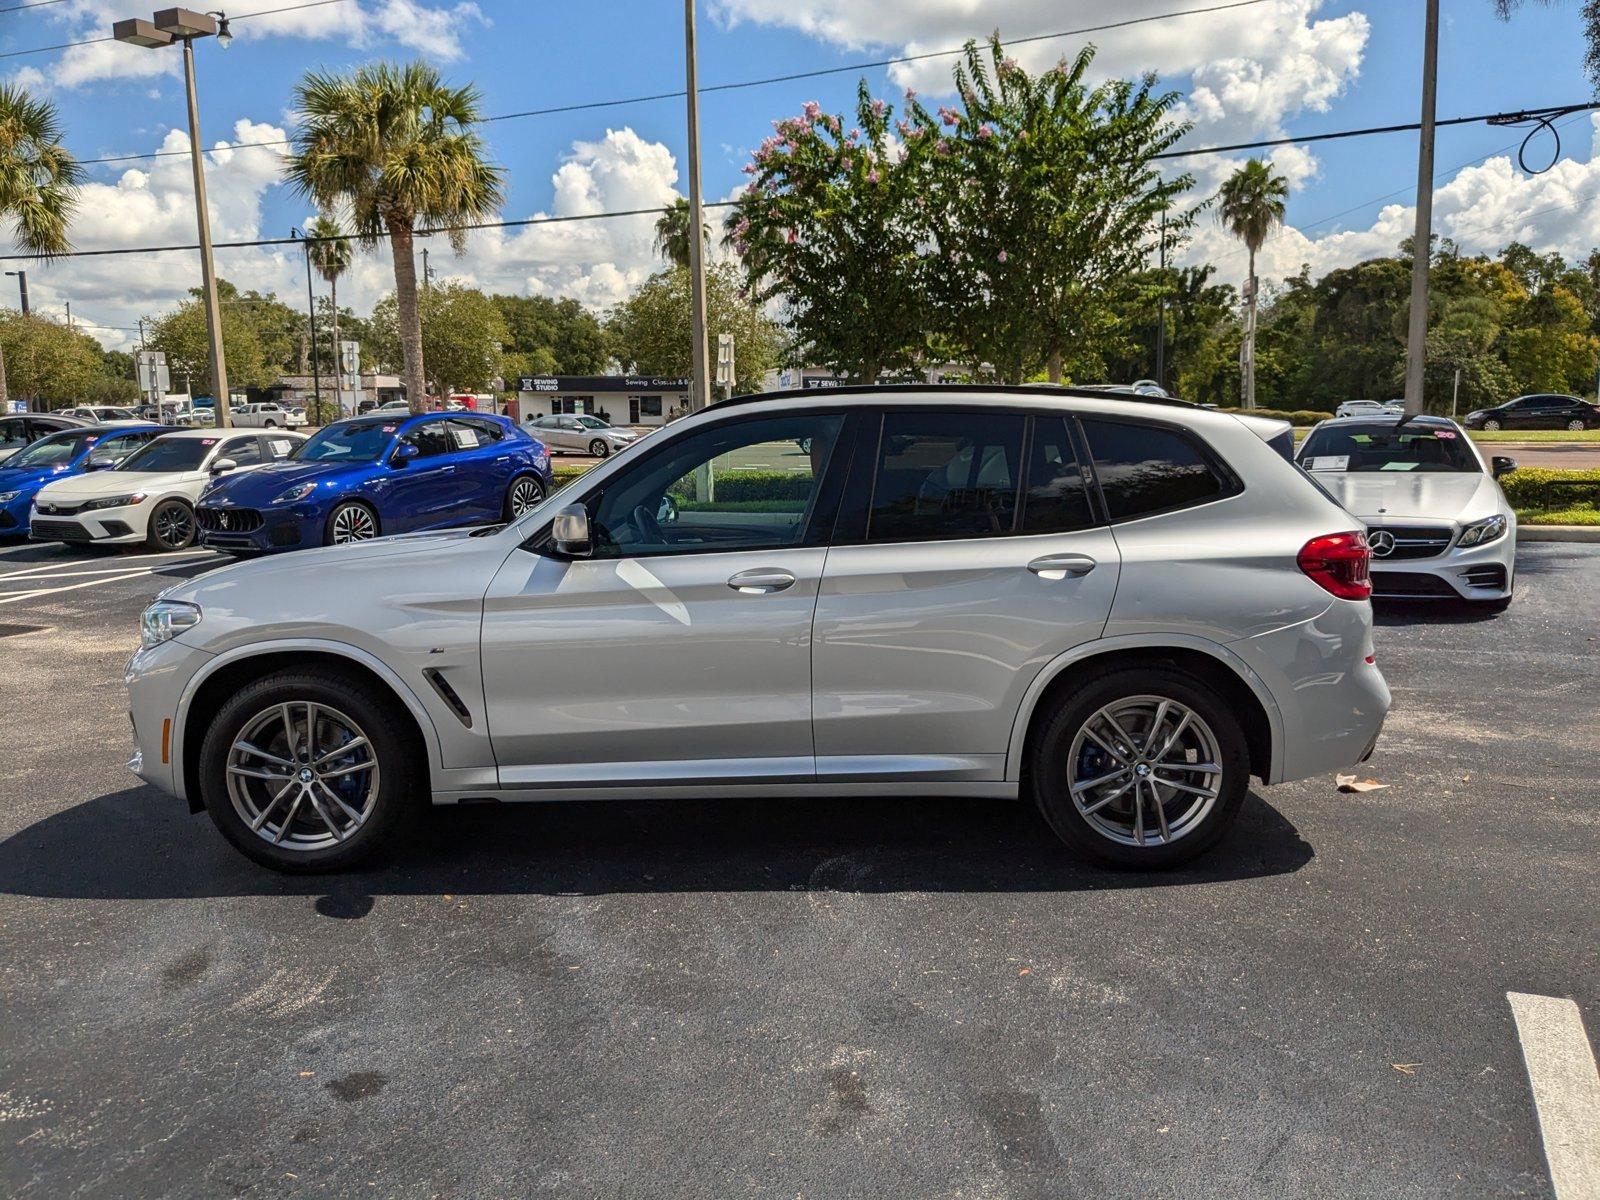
(761, 580)
(1060, 566)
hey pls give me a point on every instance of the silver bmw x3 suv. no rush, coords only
(1119, 608)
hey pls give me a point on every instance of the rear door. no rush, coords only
(969, 553)
(482, 468)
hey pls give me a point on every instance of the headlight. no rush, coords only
(114, 502)
(7, 497)
(165, 620)
(1483, 531)
(298, 492)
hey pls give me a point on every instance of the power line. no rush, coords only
(265, 12)
(34, 4)
(590, 105)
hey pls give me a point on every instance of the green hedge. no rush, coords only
(752, 485)
(1547, 488)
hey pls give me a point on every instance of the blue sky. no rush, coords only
(1275, 67)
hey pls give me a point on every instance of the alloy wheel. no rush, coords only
(598, 448)
(525, 493)
(174, 525)
(352, 523)
(302, 775)
(1491, 426)
(1574, 426)
(1144, 769)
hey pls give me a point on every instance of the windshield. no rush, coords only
(359, 441)
(1387, 446)
(169, 454)
(52, 451)
(593, 423)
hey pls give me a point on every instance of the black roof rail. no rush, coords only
(1052, 390)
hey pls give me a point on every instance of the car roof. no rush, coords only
(110, 427)
(1391, 419)
(211, 431)
(1000, 394)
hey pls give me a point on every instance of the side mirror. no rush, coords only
(403, 453)
(100, 462)
(1502, 465)
(224, 465)
(570, 533)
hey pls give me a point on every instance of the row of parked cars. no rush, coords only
(265, 490)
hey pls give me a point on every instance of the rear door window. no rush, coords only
(1057, 498)
(1145, 469)
(942, 475)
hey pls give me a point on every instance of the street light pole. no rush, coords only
(22, 288)
(699, 382)
(1161, 309)
(311, 308)
(184, 25)
(1422, 238)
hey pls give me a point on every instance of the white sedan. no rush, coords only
(150, 496)
(1370, 408)
(1437, 522)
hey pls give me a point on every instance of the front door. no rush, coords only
(979, 559)
(679, 650)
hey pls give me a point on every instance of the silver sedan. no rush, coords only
(580, 433)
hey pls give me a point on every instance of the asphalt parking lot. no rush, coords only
(869, 998)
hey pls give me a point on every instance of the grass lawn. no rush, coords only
(1504, 435)
(1578, 514)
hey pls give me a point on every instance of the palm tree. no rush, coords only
(39, 179)
(330, 255)
(393, 145)
(672, 233)
(1250, 205)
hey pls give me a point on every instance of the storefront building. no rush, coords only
(619, 399)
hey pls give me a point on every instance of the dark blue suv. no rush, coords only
(376, 475)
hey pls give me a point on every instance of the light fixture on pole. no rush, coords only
(184, 25)
(22, 288)
(311, 308)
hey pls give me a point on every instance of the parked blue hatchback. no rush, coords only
(57, 455)
(376, 475)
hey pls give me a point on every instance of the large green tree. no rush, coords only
(1043, 196)
(394, 146)
(552, 337)
(181, 334)
(462, 336)
(1250, 204)
(56, 366)
(833, 227)
(39, 179)
(672, 233)
(331, 254)
(650, 330)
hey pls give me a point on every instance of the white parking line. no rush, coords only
(1566, 1091)
(81, 566)
(72, 587)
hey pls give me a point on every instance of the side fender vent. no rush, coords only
(448, 695)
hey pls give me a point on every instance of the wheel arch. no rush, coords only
(356, 496)
(1213, 662)
(220, 678)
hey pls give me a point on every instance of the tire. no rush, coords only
(598, 448)
(1575, 426)
(271, 424)
(1110, 832)
(1492, 426)
(171, 526)
(350, 521)
(318, 835)
(517, 501)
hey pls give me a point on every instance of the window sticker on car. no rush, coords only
(1331, 462)
(208, 441)
(1447, 434)
(466, 439)
(281, 447)
(1399, 466)
(390, 428)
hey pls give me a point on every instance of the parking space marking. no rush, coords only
(1566, 1090)
(82, 566)
(72, 587)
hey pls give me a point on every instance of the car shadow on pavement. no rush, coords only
(1430, 612)
(140, 844)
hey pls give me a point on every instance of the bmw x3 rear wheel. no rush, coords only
(1140, 767)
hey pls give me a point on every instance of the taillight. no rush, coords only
(1338, 563)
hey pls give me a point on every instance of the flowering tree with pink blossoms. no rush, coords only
(1043, 197)
(832, 226)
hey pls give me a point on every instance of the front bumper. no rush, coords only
(156, 680)
(1484, 572)
(258, 531)
(102, 526)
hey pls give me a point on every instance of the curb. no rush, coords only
(1558, 533)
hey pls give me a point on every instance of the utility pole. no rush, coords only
(22, 288)
(1161, 309)
(311, 309)
(427, 271)
(700, 382)
(1422, 248)
(69, 316)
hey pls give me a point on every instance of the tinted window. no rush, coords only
(1387, 447)
(52, 451)
(1057, 499)
(946, 475)
(169, 454)
(747, 485)
(13, 433)
(356, 441)
(1145, 469)
(244, 451)
(431, 440)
